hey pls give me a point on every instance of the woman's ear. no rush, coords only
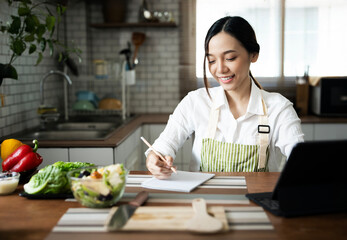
(254, 57)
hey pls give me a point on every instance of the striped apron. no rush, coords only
(217, 156)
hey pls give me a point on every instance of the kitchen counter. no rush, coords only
(116, 138)
(317, 119)
(25, 219)
(121, 133)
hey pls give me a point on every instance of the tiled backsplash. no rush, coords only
(157, 74)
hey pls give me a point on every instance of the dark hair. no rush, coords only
(240, 29)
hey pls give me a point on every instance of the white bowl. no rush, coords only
(8, 182)
(96, 193)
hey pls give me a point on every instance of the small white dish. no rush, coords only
(8, 182)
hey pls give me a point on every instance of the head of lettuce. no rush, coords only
(52, 179)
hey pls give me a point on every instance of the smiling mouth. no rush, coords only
(226, 79)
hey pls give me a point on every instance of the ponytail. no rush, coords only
(255, 81)
(206, 83)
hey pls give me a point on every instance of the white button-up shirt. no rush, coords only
(191, 117)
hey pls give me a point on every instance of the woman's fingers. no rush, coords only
(157, 167)
(169, 161)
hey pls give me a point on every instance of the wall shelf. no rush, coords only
(134, 25)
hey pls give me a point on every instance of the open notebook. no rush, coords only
(181, 182)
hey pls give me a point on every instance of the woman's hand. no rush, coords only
(159, 168)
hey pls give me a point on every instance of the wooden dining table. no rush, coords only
(34, 219)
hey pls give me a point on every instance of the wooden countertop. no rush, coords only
(317, 119)
(120, 134)
(25, 219)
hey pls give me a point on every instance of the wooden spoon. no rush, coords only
(201, 221)
(137, 38)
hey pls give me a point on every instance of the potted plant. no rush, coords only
(31, 28)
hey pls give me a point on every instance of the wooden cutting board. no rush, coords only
(168, 218)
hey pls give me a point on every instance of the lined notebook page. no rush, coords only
(181, 182)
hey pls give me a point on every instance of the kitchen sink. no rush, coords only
(86, 126)
(66, 131)
(66, 135)
(75, 129)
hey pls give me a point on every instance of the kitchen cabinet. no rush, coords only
(98, 156)
(308, 130)
(129, 151)
(330, 131)
(324, 131)
(52, 155)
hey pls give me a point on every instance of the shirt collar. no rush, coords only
(254, 105)
(219, 99)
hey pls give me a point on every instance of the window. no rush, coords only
(314, 35)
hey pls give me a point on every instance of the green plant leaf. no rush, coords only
(3, 29)
(63, 9)
(15, 25)
(50, 22)
(43, 44)
(39, 59)
(36, 20)
(29, 38)
(60, 10)
(32, 48)
(51, 47)
(23, 10)
(18, 46)
(8, 71)
(40, 30)
(60, 57)
(52, 32)
(30, 24)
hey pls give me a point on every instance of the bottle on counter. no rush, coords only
(302, 94)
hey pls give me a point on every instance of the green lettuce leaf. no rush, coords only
(52, 179)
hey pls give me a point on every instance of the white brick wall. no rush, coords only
(22, 96)
(157, 83)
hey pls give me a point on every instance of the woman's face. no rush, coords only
(229, 61)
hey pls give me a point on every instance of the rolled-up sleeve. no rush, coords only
(288, 132)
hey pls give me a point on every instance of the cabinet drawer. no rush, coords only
(336, 131)
(98, 156)
(52, 155)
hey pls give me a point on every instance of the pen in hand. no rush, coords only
(157, 153)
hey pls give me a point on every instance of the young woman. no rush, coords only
(238, 127)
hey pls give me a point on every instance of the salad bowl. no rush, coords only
(98, 186)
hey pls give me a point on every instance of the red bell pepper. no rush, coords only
(22, 159)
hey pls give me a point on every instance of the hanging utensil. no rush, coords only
(137, 38)
(127, 53)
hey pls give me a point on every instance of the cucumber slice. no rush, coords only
(95, 188)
